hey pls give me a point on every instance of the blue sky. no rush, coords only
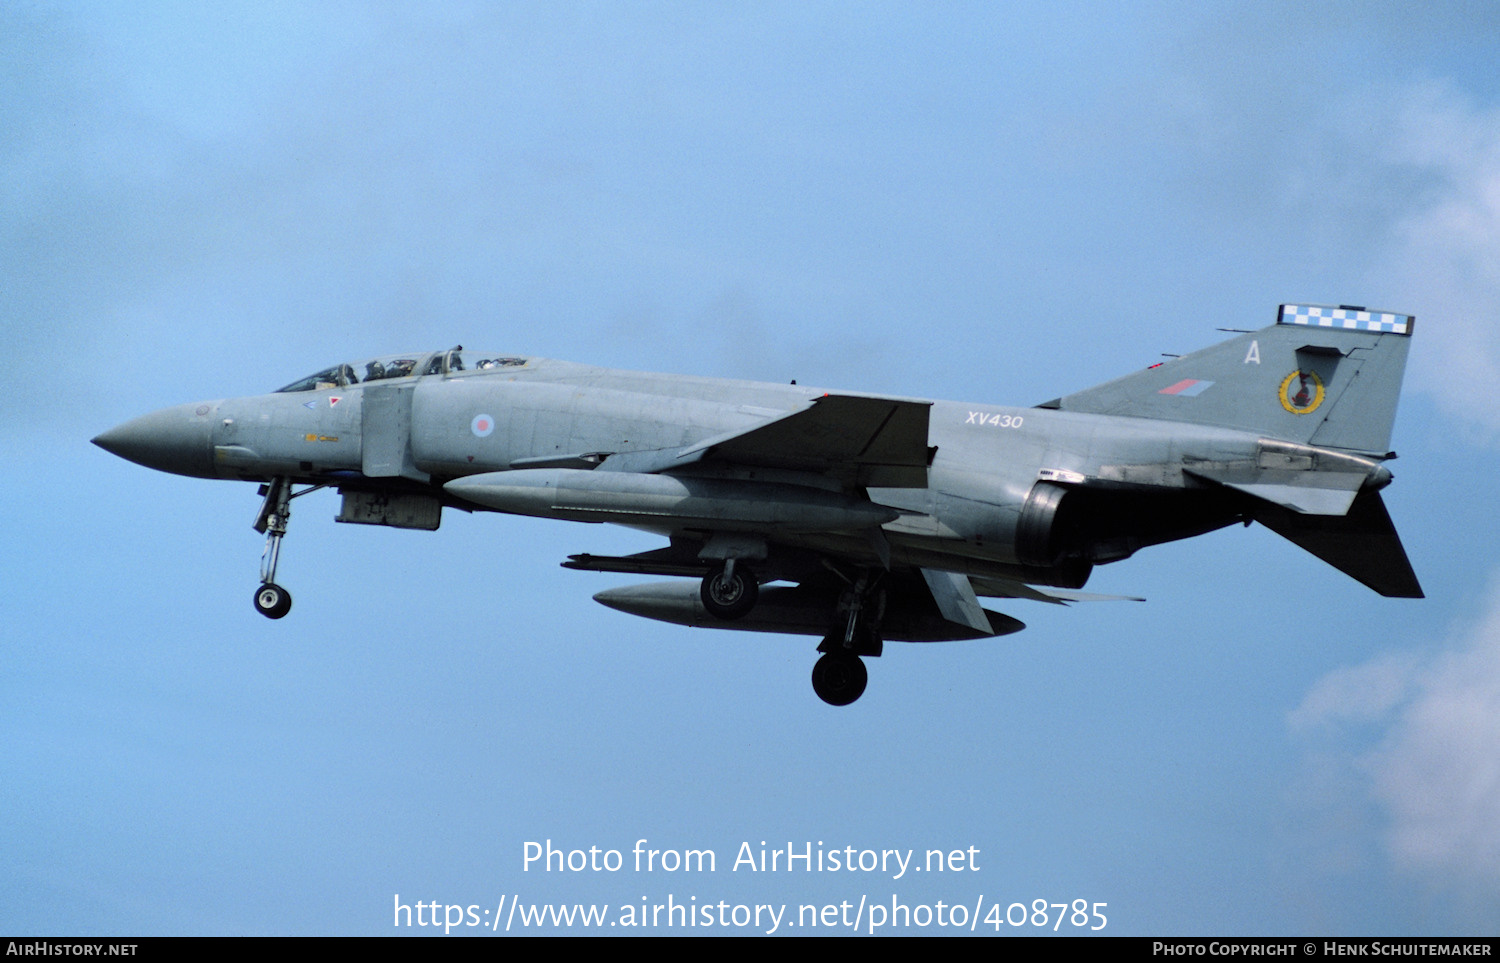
(976, 202)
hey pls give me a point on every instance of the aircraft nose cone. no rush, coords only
(173, 440)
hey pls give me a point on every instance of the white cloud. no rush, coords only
(1356, 694)
(1443, 261)
(1438, 770)
(1419, 737)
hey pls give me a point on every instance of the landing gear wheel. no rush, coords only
(839, 678)
(272, 601)
(730, 592)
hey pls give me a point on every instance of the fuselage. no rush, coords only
(891, 516)
(415, 432)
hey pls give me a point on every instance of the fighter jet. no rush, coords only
(855, 518)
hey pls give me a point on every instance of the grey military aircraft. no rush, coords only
(855, 518)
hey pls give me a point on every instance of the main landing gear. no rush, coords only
(840, 676)
(271, 600)
(729, 592)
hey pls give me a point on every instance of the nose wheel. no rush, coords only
(272, 601)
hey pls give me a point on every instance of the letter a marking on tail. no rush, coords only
(1253, 355)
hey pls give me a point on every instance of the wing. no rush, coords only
(859, 441)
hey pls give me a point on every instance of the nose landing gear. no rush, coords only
(271, 600)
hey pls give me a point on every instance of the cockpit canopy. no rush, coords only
(444, 363)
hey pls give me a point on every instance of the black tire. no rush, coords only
(730, 598)
(272, 601)
(839, 679)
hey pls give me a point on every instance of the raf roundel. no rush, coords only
(482, 425)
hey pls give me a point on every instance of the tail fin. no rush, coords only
(1324, 379)
(1324, 376)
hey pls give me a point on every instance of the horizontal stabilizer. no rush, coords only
(1362, 544)
(1304, 492)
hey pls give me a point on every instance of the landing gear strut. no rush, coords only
(271, 600)
(839, 677)
(729, 591)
